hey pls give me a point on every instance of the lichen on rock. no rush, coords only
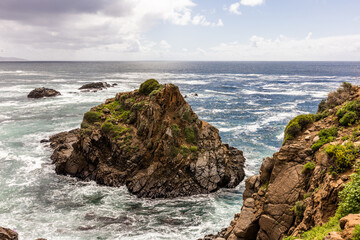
(151, 141)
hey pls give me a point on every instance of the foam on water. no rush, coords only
(250, 109)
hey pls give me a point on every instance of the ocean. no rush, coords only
(249, 102)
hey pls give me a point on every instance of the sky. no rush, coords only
(190, 30)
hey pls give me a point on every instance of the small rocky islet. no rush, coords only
(151, 141)
(43, 92)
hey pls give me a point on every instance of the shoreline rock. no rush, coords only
(151, 141)
(293, 191)
(43, 92)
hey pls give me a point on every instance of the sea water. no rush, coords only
(249, 102)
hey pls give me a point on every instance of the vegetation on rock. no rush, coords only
(308, 167)
(148, 86)
(92, 117)
(153, 145)
(297, 125)
(349, 113)
(343, 156)
(326, 136)
(356, 233)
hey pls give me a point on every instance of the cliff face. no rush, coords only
(298, 188)
(151, 141)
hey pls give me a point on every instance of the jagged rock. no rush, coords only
(152, 143)
(96, 85)
(43, 92)
(270, 198)
(8, 234)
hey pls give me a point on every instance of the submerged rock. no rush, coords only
(151, 141)
(43, 92)
(96, 85)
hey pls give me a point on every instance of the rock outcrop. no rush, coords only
(294, 191)
(8, 234)
(151, 141)
(95, 85)
(43, 92)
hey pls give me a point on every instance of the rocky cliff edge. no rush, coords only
(302, 185)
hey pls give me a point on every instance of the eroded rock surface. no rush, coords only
(152, 143)
(284, 184)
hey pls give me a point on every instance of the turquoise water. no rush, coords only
(250, 103)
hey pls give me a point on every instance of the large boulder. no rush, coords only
(43, 92)
(151, 141)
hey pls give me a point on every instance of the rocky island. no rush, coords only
(43, 92)
(151, 141)
(310, 188)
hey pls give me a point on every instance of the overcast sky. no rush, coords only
(180, 29)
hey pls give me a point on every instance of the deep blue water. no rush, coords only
(249, 102)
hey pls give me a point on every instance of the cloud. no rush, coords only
(252, 3)
(164, 44)
(282, 48)
(234, 8)
(90, 24)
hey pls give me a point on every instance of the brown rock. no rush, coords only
(96, 85)
(43, 92)
(8, 234)
(154, 144)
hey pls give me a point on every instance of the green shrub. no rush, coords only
(307, 195)
(356, 233)
(193, 149)
(84, 124)
(148, 86)
(107, 127)
(350, 196)
(319, 232)
(296, 125)
(92, 116)
(299, 209)
(184, 150)
(308, 167)
(190, 135)
(175, 130)
(155, 92)
(348, 119)
(125, 115)
(349, 113)
(344, 156)
(186, 116)
(326, 136)
(320, 115)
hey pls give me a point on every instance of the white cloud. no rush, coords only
(234, 8)
(282, 48)
(165, 45)
(252, 3)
